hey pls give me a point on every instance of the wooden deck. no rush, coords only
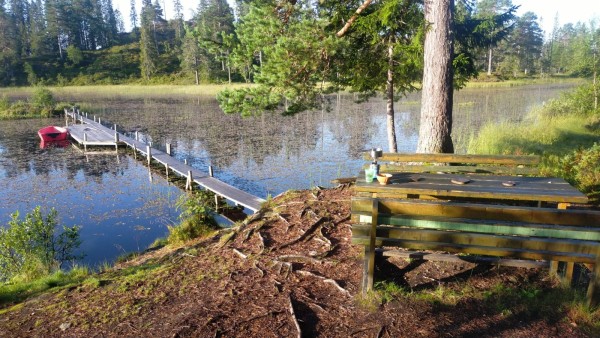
(91, 135)
(99, 135)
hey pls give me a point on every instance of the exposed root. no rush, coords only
(325, 280)
(298, 259)
(237, 252)
(312, 228)
(262, 242)
(294, 319)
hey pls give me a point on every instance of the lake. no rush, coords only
(122, 207)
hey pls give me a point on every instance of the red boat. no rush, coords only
(52, 133)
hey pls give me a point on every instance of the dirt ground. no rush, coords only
(290, 271)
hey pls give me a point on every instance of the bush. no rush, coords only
(196, 218)
(43, 102)
(579, 101)
(31, 248)
(581, 168)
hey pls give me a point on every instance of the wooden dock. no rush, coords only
(93, 133)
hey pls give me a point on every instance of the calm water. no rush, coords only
(121, 210)
(110, 196)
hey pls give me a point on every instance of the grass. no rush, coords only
(535, 135)
(483, 83)
(17, 292)
(128, 90)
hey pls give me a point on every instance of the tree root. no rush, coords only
(325, 280)
(239, 253)
(294, 319)
(312, 228)
(298, 259)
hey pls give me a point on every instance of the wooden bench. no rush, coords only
(457, 163)
(514, 232)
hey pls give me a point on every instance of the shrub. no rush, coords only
(31, 248)
(579, 101)
(196, 218)
(43, 101)
(581, 168)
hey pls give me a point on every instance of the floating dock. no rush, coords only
(93, 133)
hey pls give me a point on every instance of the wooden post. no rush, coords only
(149, 154)
(86, 115)
(168, 148)
(369, 264)
(185, 161)
(116, 140)
(167, 170)
(593, 292)
(94, 118)
(134, 151)
(136, 136)
(190, 180)
(210, 171)
(115, 126)
(85, 141)
(99, 122)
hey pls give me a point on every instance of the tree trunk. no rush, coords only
(489, 72)
(391, 128)
(436, 102)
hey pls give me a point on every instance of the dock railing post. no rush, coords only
(137, 138)
(116, 140)
(210, 171)
(190, 180)
(149, 154)
(167, 170)
(168, 148)
(84, 141)
(185, 161)
(134, 151)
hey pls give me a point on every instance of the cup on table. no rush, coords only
(369, 175)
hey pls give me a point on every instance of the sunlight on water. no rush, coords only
(121, 210)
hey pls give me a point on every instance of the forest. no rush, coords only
(81, 42)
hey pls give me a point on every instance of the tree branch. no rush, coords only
(344, 29)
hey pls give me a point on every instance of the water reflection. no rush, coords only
(271, 153)
(123, 207)
(107, 194)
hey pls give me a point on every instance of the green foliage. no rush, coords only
(31, 248)
(581, 168)
(43, 101)
(74, 54)
(196, 218)
(17, 291)
(577, 102)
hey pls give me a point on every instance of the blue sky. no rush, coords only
(568, 10)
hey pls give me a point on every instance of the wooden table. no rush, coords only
(478, 187)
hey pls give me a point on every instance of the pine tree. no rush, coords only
(148, 46)
(133, 15)
(214, 29)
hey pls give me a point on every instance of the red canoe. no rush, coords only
(52, 133)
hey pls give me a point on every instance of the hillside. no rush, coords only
(289, 271)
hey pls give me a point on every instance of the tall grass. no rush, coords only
(534, 135)
(128, 90)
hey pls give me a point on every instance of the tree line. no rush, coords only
(57, 41)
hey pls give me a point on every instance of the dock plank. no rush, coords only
(101, 135)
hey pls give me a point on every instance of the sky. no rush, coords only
(568, 10)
